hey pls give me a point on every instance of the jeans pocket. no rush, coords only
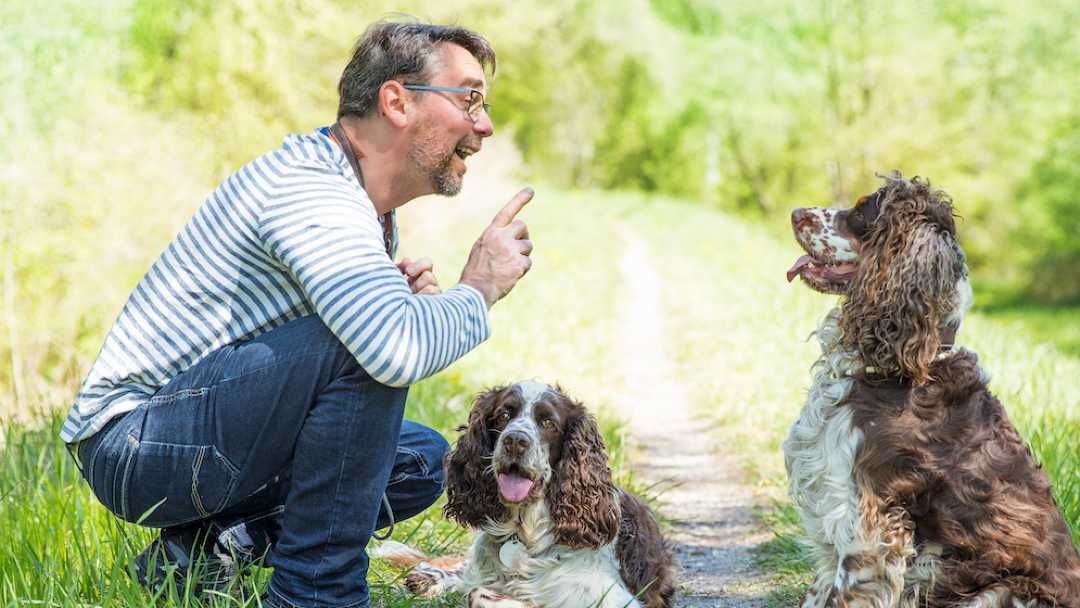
(170, 484)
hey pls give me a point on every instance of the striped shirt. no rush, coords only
(291, 233)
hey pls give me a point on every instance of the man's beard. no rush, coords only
(438, 169)
(444, 179)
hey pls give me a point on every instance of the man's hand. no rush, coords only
(418, 274)
(501, 255)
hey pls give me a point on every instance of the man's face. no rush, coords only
(445, 134)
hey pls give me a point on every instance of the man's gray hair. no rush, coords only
(390, 49)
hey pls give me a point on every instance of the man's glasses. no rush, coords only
(476, 98)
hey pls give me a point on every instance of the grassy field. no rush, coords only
(738, 328)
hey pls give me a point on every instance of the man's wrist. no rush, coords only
(485, 288)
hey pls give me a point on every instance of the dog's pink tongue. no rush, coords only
(797, 268)
(514, 488)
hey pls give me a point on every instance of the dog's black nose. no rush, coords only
(515, 444)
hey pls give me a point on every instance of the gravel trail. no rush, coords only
(701, 490)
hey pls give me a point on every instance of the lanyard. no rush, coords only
(387, 219)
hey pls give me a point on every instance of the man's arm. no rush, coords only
(333, 248)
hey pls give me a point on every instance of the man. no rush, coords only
(252, 389)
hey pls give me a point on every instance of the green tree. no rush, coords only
(1048, 235)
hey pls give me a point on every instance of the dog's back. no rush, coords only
(946, 453)
(645, 560)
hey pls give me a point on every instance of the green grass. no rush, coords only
(784, 556)
(1059, 327)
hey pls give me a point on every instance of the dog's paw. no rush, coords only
(426, 580)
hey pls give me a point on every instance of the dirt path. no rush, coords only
(700, 489)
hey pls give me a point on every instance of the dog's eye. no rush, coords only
(503, 416)
(548, 424)
(856, 222)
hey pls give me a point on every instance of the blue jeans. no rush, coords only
(287, 419)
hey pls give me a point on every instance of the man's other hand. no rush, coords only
(501, 255)
(420, 276)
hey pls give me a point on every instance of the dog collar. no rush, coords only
(945, 353)
(946, 350)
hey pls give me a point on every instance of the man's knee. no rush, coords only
(432, 447)
(417, 480)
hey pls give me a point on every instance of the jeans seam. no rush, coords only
(425, 471)
(102, 438)
(132, 448)
(196, 465)
(196, 468)
(180, 394)
(93, 458)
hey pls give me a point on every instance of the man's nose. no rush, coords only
(483, 126)
(515, 443)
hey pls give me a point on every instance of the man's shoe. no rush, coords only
(187, 552)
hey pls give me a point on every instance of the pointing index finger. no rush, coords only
(507, 213)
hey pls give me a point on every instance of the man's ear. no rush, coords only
(394, 103)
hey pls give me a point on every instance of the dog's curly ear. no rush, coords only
(582, 498)
(905, 289)
(471, 493)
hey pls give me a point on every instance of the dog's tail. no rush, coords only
(405, 557)
(427, 577)
(397, 554)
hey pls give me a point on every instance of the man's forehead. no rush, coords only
(459, 68)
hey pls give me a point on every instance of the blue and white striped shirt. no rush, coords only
(291, 233)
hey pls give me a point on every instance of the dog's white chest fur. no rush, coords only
(520, 558)
(820, 450)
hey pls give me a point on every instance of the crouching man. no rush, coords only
(250, 395)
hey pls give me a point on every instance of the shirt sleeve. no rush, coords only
(327, 235)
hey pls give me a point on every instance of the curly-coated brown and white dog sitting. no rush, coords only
(531, 474)
(913, 485)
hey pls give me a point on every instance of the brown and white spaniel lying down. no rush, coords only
(531, 474)
(913, 485)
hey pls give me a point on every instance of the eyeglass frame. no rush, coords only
(484, 105)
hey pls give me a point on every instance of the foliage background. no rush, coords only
(753, 107)
(691, 116)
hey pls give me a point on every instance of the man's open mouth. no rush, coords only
(514, 484)
(463, 152)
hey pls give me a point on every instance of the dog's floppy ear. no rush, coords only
(906, 284)
(582, 498)
(471, 493)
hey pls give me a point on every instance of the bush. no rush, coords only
(1047, 238)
